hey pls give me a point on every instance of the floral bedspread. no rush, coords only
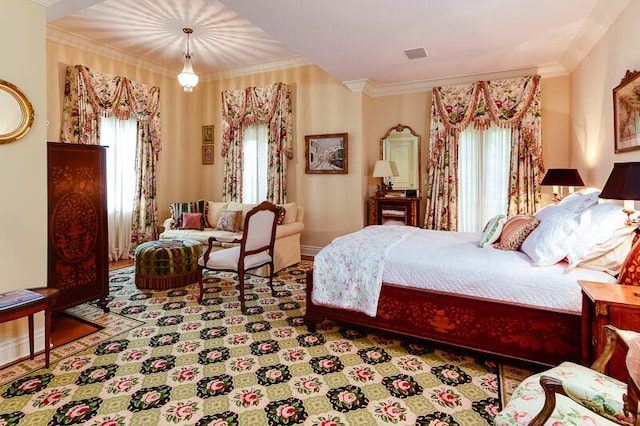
(348, 272)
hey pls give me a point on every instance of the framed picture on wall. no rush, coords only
(207, 154)
(207, 135)
(626, 113)
(327, 153)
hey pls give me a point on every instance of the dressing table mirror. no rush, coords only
(402, 145)
(17, 113)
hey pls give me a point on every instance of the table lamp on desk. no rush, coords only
(385, 169)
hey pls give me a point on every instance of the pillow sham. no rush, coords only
(229, 220)
(603, 226)
(612, 261)
(515, 230)
(492, 230)
(580, 201)
(192, 221)
(550, 241)
(213, 212)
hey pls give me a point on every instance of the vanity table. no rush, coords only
(395, 210)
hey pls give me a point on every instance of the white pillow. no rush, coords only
(604, 225)
(580, 201)
(492, 230)
(549, 243)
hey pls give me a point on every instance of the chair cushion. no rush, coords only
(528, 398)
(227, 259)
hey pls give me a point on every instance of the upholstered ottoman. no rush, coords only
(167, 263)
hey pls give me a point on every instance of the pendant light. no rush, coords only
(187, 78)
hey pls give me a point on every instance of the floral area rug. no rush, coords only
(210, 365)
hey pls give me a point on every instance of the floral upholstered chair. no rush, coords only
(571, 394)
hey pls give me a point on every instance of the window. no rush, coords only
(254, 163)
(483, 176)
(120, 136)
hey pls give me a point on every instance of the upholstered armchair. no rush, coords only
(571, 394)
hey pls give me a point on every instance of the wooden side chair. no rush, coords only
(571, 394)
(255, 249)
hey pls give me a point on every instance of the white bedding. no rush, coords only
(451, 262)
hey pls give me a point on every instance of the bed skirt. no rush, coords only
(515, 331)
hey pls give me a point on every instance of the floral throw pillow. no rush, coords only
(229, 220)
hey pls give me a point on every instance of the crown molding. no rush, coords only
(46, 3)
(61, 36)
(405, 88)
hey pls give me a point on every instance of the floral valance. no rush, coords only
(90, 95)
(258, 105)
(507, 103)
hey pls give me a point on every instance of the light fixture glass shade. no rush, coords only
(382, 169)
(187, 78)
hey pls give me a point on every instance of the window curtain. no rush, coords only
(271, 106)
(88, 97)
(513, 104)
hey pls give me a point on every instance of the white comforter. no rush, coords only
(451, 262)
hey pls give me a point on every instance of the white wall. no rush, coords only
(23, 171)
(592, 83)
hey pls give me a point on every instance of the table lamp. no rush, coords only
(560, 178)
(623, 184)
(383, 169)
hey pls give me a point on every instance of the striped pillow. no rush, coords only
(177, 209)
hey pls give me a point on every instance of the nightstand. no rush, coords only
(603, 304)
(395, 210)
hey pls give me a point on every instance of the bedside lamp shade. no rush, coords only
(562, 177)
(623, 182)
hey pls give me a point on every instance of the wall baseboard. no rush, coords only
(17, 348)
(309, 250)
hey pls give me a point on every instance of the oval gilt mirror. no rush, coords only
(17, 113)
(402, 145)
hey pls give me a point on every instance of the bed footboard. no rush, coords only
(511, 330)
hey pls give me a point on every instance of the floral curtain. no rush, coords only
(89, 96)
(269, 105)
(513, 103)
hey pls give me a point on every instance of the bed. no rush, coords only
(441, 286)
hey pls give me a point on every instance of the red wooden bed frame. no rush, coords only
(516, 331)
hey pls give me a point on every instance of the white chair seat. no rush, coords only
(228, 259)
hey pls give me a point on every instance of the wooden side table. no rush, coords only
(18, 304)
(395, 210)
(604, 304)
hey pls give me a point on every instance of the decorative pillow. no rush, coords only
(610, 262)
(229, 220)
(243, 208)
(280, 214)
(492, 230)
(602, 227)
(177, 209)
(291, 212)
(192, 221)
(515, 230)
(549, 243)
(580, 201)
(213, 210)
(630, 274)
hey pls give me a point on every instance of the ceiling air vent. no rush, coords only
(416, 53)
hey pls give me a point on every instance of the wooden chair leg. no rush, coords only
(201, 285)
(273, 293)
(241, 284)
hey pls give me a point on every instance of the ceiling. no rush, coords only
(356, 41)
